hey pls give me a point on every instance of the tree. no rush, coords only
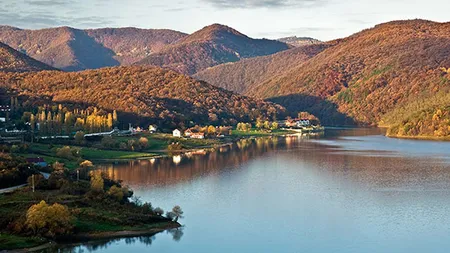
(211, 130)
(177, 212)
(97, 182)
(274, 125)
(53, 220)
(143, 142)
(79, 137)
(65, 152)
(266, 124)
(116, 192)
(259, 123)
(86, 164)
(108, 142)
(158, 211)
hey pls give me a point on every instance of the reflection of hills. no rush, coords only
(368, 169)
(169, 170)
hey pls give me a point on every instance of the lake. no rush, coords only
(351, 191)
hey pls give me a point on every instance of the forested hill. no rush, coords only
(147, 94)
(367, 75)
(248, 73)
(71, 49)
(210, 46)
(13, 61)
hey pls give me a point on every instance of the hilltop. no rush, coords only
(13, 61)
(140, 94)
(210, 46)
(299, 41)
(73, 49)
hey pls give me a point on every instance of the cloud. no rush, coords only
(48, 3)
(39, 20)
(270, 4)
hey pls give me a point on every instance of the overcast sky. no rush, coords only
(322, 19)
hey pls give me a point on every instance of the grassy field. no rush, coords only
(98, 154)
(9, 242)
(91, 215)
(157, 145)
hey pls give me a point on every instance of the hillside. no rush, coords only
(239, 76)
(140, 94)
(367, 75)
(72, 49)
(13, 61)
(132, 44)
(299, 41)
(211, 46)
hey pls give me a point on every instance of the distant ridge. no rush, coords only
(72, 49)
(299, 41)
(210, 46)
(14, 61)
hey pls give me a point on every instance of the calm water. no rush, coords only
(355, 192)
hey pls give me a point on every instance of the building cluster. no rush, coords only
(202, 132)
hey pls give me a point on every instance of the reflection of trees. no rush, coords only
(176, 233)
(103, 244)
(164, 171)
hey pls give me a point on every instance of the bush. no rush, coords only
(97, 182)
(143, 142)
(158, 211)
(47, 220)
(116, 193)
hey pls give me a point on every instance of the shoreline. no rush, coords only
(82, 238)
(420, 138)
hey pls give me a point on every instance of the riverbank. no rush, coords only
(91, 214)
(423, 138)
(125, 148)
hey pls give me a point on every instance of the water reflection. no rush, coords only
(100, 245)
(180, 168)
(355, 193)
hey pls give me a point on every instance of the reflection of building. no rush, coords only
(176, 159)
(176, 133)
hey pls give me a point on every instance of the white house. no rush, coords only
(176, 133)
(152, 128)
(197, 136)
(303, 123)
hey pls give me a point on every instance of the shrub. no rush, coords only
(116, 192)
(143, 142)
(47, 220)
(97, 182)
(158, 211)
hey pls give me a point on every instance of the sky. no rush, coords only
(321, 19)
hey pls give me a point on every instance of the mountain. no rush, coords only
(72, 49)
(210, 46)
(13, 61)
(132, 44)
(367, 75)
(140, 94)
(299, 41)
(239, 76)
